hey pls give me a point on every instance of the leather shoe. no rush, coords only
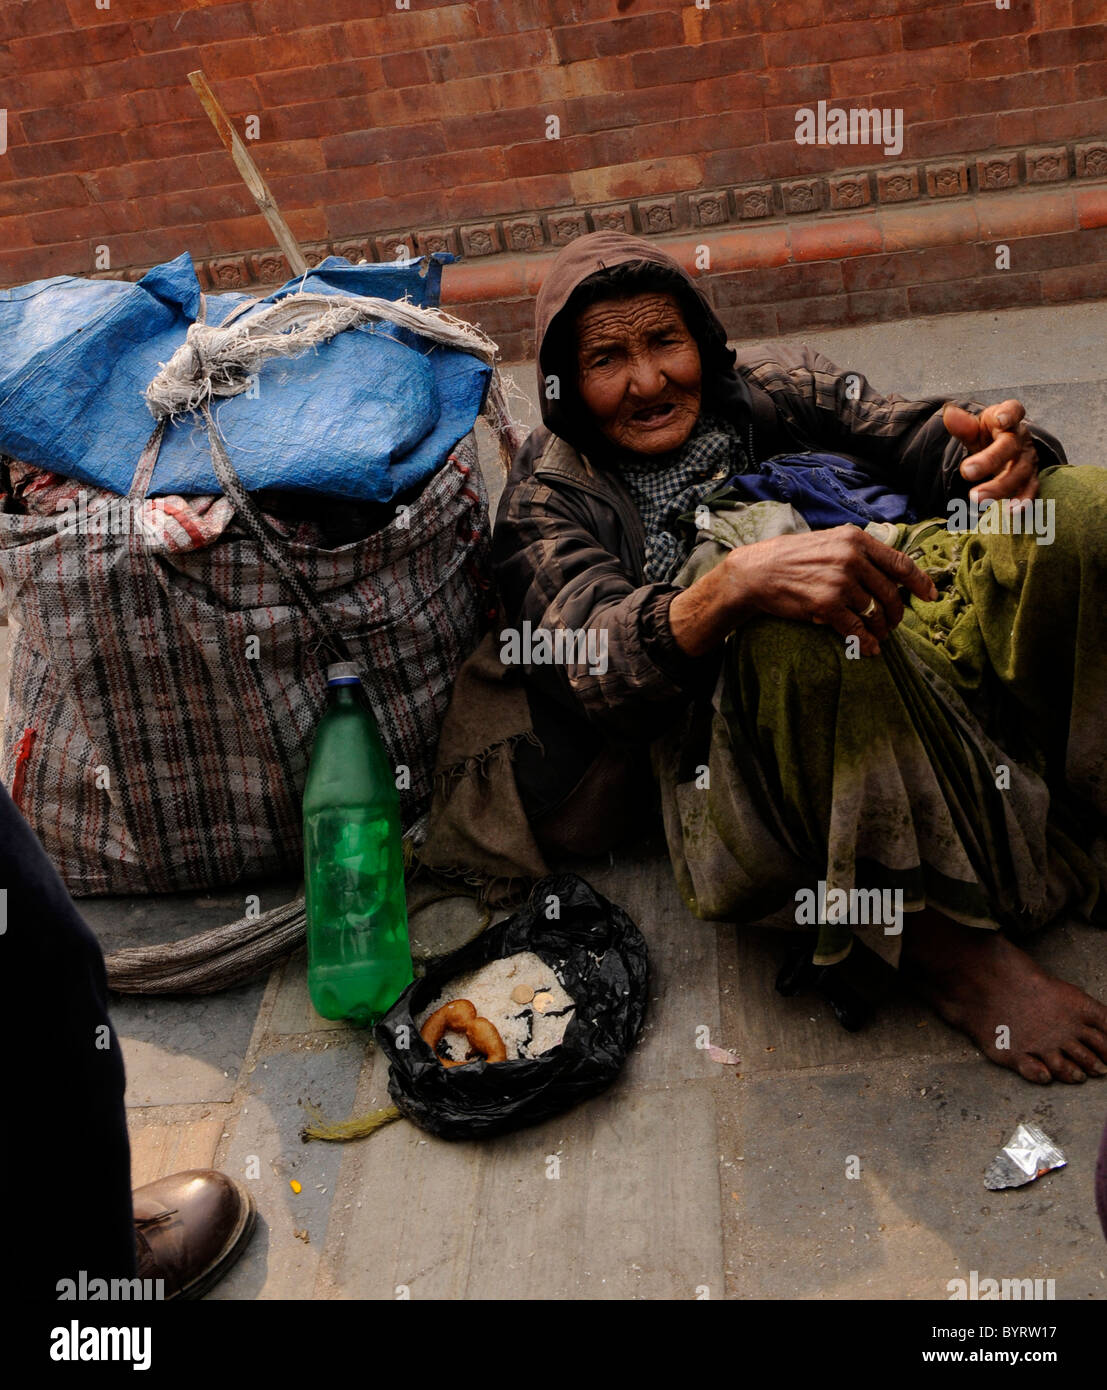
(190, 1228)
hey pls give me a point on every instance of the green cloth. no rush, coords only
(964, 767)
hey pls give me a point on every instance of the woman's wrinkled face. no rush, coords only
(639, 372)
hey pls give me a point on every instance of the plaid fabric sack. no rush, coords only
(164, 692)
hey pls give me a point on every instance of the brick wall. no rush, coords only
(428, 126)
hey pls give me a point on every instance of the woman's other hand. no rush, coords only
(1004, 460)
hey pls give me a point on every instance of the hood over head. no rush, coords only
(590, 256)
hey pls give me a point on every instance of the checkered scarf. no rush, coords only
(664, 487)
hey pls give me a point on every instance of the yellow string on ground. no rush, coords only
(359, 1127)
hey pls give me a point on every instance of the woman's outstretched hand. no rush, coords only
(843, 578)
(1003, 461)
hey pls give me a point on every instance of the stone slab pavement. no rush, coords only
(687, 1179)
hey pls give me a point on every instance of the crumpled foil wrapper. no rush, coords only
(1026, 1156)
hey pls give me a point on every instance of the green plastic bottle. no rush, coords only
(359, 958)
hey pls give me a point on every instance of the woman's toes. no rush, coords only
(1087, 1061)
(1061, 1068)
(1030, 1069)
(1096, 1042)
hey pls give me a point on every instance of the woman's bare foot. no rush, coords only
(1019, 1017)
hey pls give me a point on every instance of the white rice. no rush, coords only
(526, 1031)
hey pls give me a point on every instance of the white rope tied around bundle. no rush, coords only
(220, 361)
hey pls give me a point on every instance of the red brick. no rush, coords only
(238, 234)
(1065, 123)
(1069, 283)
(838, 236)
(79, 118)
(747, 248)
(363, 147)
(477, 282)
(772, 160)
(68, 224)
(1005, 291)
(145, 71)
(286, 16)
(1044, 252)
(792, 316)
(71, 49)
(483, 57)
(43, 17)
(1091, 207)
(33, 90)
(61, 155)
(310, 84)
(855, 77)
(406, 69)
(800, 86)
(1089, 80)
(319, 119)
(831, 42)
(918, 226)
(898, 269)
(1058, 48)
(619, 110)
(545, 191)
(876, 306)
(83, 15)
(175, 137)
(354, 219)
(992, 57)
(951, 136)
(524, 126)
(1016, 127)
(958, 24)
(193, 26)
(158, 105)
(215, 204)
(68, 258)
(574, 42)
(320, 189)
(409, 176)
(494, 16)
(20, 197)
(392, 32)
(613, 184)
(720, 96)
(703, 135)
(723, 20)
(1056, 14)
(286, 157)
(153, 247)
(689, 64)
(999, 94)
(797, 14)
(755, 324)
(737, 288)
(1007, 215)
(305, 224)
(553, 156)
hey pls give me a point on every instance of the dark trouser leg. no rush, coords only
(66, 1156)
(582, 795)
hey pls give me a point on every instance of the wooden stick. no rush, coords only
(250, 173)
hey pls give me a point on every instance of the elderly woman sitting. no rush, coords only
(849, 700)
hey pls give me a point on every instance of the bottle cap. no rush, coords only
(343, 673)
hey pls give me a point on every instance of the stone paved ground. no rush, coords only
(686, 1175)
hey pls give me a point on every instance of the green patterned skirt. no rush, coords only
(964, 768)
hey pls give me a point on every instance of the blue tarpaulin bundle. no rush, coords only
(367, 415)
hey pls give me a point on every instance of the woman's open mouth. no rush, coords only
(652, 416)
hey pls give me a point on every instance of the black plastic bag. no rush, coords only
(600, 958)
